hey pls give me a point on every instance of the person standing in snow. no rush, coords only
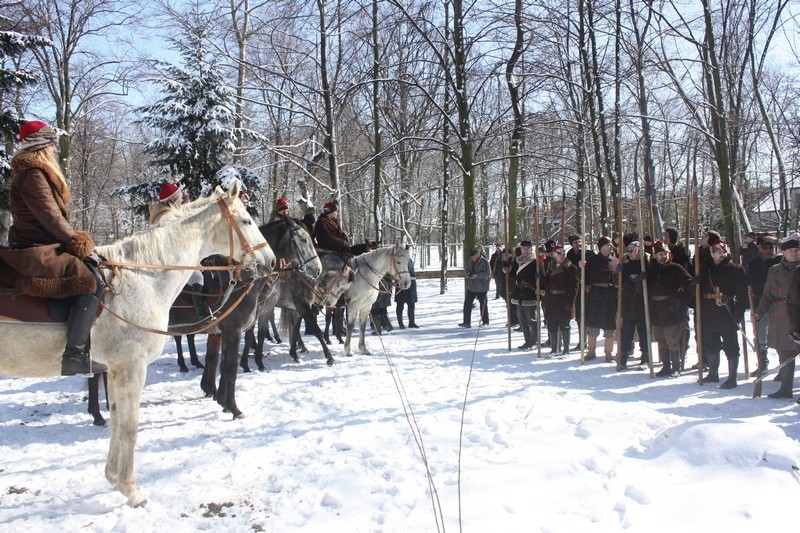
(477, 273)
(601, 299)
(669, 289)
(757, 271)
(407, 297)
(774, 302)
(559, 300)
(523, 272)
(724, 288)
(633, 318)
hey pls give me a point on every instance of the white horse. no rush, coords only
(141, 295)
(370, 269)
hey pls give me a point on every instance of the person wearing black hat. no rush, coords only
(523, 272)
(477, 273)
(749, 249)
(559, 300)
(328, 232)
(677, 249)
(757, 271)
(574, 255)
(774, 302)
(601, 299)
(633, 317)
(723, 285)
(669, 289)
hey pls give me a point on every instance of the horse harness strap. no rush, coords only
(232, 225)
(213, 322)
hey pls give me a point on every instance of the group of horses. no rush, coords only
(258, 269)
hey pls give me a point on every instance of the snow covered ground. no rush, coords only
(546, 445)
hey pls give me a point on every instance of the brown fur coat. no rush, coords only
(46, 254)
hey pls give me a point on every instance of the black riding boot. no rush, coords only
(565, 339)
(666, 369)
(787, 379)
(400, 318)
(675, 358)
(733, 368)
(76, 358)
(411, 322)
(198, 301)
(713, 368)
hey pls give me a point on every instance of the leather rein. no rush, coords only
(235, 268)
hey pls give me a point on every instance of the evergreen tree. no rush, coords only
(194, 121)
(13, 78)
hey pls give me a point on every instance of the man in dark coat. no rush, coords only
(574, 256)
(677, 250)
(669, 291)
(633, 317)
(523, 272)
(559, 300)
(496, 264)
(407, 297)
(757, 270)
(724, 288)
(749, 249)
(328, 231)
(601, 299)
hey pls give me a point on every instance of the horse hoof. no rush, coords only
(99, 422)
(198, 365)
(331, 361)
(262, 369)
(245, 369)
(184, 369)
(239, 416)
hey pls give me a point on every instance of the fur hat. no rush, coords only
(281, 204)
(525, 243)
(169, 193)
(790, 241)
(673, 235)
(330, 207)
(713, 237)
(549, 245)
(602, 241)
(659, 246)
(35, 135)
(766, 238)
(628, 238)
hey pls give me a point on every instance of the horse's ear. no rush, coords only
(233, 192)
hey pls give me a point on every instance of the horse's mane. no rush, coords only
(148, 246)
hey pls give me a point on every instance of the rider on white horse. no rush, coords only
(40, 235)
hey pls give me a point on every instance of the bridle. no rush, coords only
(394, 269)
(302, 259)
(237, 270)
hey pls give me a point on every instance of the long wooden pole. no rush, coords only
(582, 288)
(505, 252)
(538, 274)
(645, 293)
(620, 255)
(698, 296)
(563, 216)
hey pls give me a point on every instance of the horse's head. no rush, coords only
(399, 266)
(336, 278)
(291, 242)
(237, 235)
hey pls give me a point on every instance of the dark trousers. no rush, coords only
(629, 327)
(469, 299)
(714, 341)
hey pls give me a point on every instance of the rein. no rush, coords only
(396, 275)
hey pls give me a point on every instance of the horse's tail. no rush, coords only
(289, 318)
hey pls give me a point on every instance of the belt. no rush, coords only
(709, 296)
(604, 285)
(661, 298)
(552, 291)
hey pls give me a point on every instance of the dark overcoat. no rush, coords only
(329, 234)
(560, 290)
(666, 283)
(632, 293)
(730, 280)
(409, 295)
(524, 272)
(45, 257)
(601, 300)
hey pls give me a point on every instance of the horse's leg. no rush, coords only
(263, 332)
(362, 343)
(328, 316)
(350, 325)
(193, 352)
(249, 340)
(125, 385)
(179, 346)
(338, 324)
(209, 381)
(226, 396)
(313, 327)
(275, 328)
(94, 400)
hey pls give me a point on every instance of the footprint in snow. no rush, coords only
(637, 495)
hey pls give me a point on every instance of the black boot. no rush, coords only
(400, 319)
(565, 338)
(666, 370)
(787, 378)
(733, 368)
(411, 322)
(675, 359)
(76, 358)
(713, 368)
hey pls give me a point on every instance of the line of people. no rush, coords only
(664, 271)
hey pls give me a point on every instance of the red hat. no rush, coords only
(721, 244)
(281, 204)
(330, 207)
(168, 192)
(659, 246)
(558, 247)
(35, 135)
